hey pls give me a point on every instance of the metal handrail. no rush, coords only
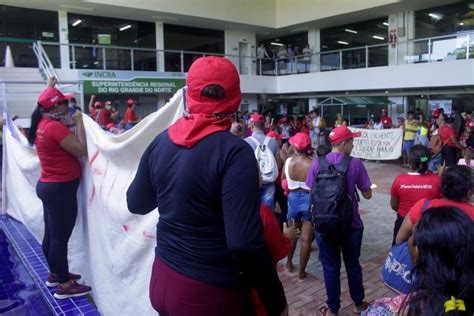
(249, 60)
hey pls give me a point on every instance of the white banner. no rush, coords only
(112, 248)
(378, 144)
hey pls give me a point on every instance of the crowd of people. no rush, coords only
(286, 58)
(107, 116)
(218, 241)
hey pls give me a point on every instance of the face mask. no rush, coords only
(108, 107)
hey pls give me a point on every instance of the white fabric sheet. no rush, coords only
(112, 248)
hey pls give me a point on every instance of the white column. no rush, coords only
(64, 39)
(314, 41)
(402, 24)
(160, 44)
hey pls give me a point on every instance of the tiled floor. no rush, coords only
(31, 254)
(18, 293)
(305, 297)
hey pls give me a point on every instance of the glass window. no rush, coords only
(29, 24)
(192, 39)
(352, 38)
(359, 34)
(102, 31)
(295, 41)
(450, 19)
(110, 31)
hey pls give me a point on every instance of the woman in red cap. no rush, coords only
(295, 173)
(210, 249)
(58, 151)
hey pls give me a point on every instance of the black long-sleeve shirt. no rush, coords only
(209, 227)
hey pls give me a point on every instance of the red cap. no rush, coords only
(342, 133)
(108, 103)
(300, 141)
(110, 125)
(52, 96)
(97, 104)
(274, 134)
(257, 118)
(435, 114)
(207, 71)
(130, 102)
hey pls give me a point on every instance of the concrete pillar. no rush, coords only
(160, 45)
(64, 39)
(314, 41)
(402, 25)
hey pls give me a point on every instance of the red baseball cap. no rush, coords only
(213, 70)
(97, 104)
(275, 135)
(130, 102)
(108, 103)
(300, 141)
(52, 96)
(257, 118)
(342, 133)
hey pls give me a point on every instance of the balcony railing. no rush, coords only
(426, 50)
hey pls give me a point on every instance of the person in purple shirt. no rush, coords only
(350, 244)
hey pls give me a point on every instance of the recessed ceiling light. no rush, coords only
(125, 27)
(385, 23)
(342, 42)
(276, 44)
(435, 16)
(386, 91)
(378, 37)
(77, 22)
(461, 23)
(350, 31)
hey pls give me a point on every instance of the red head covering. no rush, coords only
(130, 102)
(300, 141)
(342, 133)
(97, 104)
(52, 96)
(257, 118)
(207, 115)
(275, 135)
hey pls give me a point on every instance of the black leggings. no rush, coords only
(450, 155)
(396, 228)
(60, 212)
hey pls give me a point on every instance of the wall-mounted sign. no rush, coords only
(130, 82)
(135, 86)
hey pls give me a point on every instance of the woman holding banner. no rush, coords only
(60, 140)
(210, 249)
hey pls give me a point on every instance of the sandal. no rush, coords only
(325, 311)
(359, 309)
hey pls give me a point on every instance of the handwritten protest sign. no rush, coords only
(378, 144)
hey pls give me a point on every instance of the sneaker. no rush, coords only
(359, 309)
(53, 279)
(73, 290)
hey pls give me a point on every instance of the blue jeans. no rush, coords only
(298, 206)
(267, 195)
(330, 257)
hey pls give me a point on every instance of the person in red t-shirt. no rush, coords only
(447, 134)
(278, 244)
(456, 187)
(386, 120)
(409, 188)
(130, 117)
(58, 150)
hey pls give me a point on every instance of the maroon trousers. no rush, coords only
(174, 294)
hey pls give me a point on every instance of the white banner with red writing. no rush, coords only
(378, 144)
(112, 248)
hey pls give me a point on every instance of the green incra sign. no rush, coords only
(135, 86)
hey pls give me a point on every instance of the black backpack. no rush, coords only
(331, 204)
